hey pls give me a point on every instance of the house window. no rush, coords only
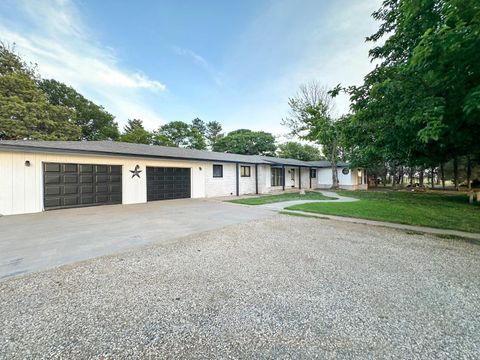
(217, 171)
(313, 173)
(277, 177)
(245, 171)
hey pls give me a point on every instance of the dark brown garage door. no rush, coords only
(76, 185)
(167, 183)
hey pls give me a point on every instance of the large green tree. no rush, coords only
(213, 133)
(179, 134)
(134, 132)
(25, 112)
(247, 142)
(295, 150)
(96, 123)
(420, 106)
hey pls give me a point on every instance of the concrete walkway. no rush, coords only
(280, 206)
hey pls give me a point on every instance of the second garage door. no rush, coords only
(168, 183)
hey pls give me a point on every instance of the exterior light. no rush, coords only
(27, 163)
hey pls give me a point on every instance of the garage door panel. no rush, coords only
(168, 183)
(68, 190)
(70, 178)
(74, 185)
(68, 168)
(52, 179)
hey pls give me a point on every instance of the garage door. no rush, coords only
(76, 185)
(167, 183)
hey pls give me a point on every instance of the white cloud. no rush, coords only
(53, 36)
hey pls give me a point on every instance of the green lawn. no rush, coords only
(268, 199)
(443, 211)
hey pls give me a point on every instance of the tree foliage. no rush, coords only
(247, 142)
(311, 118)
(421, 105)
(295, 150)
(134, 132)
(25, 112)
(181, 134)
(96, 123)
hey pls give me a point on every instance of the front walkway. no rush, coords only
(280, 206)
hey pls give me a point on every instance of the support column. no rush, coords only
(310, 176)
(299, 177)
(256, 178)
(238, 179)
(283, 179)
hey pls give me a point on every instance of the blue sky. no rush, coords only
(236, 62)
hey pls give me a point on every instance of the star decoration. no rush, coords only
(136, 171)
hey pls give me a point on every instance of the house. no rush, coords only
(44, 175)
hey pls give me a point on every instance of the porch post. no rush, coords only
(256, 178)
(238, 182)
(310, 176)
(299, 177)
(283, 180)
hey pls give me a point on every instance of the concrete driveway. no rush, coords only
(40, 241)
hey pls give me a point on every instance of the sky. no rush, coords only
(236, 62)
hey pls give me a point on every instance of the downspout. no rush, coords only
(238, 179)
(256, 178)
(299, 177)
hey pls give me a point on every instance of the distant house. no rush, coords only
(45, 175)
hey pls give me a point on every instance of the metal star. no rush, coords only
(136, 172)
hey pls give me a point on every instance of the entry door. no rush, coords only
(165, 183)
(77, 185)
(292, 177)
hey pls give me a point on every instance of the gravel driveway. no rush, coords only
(288, 287)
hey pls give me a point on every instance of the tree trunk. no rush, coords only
(384, 177)
(334, 164)
(411, 175)
(420, 176)
(442, 171)
(394, 180)
(469, 173)
(433, 178)
(401, 172)
(455, 173)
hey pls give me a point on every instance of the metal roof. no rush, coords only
(113, 148)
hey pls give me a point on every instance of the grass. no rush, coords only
(442, 211)
(268, 199)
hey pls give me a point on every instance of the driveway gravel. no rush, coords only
(281, 287)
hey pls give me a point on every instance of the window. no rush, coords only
(217, 171)
(245, 171)
(313, 173)
(277, 177)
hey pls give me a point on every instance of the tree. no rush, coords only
(213, 132)
(420, 106)
(96, 123)
(199, 125)
(134, 132)
(311, 118)
(179, 134)
(246, 142)
(25, 112)
(295, 150)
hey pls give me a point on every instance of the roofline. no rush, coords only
(273, 161)
(109, 153)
